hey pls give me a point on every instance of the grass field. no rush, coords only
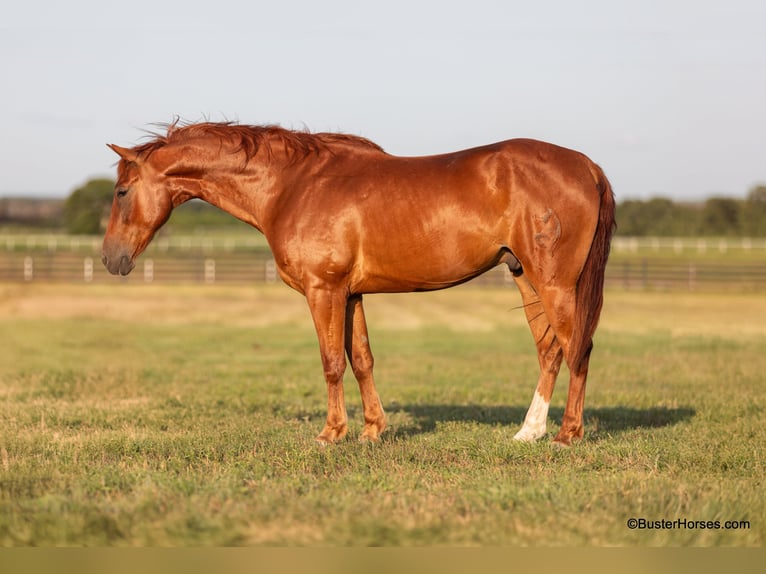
(136, 415)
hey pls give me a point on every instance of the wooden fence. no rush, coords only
(635, 264)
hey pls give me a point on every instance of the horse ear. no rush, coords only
(125, 153)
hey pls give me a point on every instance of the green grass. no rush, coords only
(151, 415)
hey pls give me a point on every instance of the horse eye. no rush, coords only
(122, 192)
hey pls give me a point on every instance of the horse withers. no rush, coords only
(344, 219)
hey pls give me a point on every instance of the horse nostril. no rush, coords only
(118, 265)
(125, 266)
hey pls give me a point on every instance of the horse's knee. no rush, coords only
(334, 367)
(361, 364)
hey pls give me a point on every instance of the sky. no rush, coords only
(668, 96)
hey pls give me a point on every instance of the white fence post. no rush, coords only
(271, 271)
(87, 269)
(29, 269)
(209, 271)
(148, 270)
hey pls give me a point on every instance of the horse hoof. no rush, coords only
(525, 435)
(565, 440)
(331, 435)
(369, 438)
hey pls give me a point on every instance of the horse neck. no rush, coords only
(250, 192)
(247, 193)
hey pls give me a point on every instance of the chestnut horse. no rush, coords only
(344, 218)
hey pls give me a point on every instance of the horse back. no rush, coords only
(389, 223)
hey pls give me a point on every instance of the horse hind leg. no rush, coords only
(360, 356)
(549, 355)
(572, 427)
(560, 304)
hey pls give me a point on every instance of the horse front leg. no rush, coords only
(328, 309)
(360, 355)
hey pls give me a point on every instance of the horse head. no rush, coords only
(141, 205)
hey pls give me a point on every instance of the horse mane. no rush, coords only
(250, 139)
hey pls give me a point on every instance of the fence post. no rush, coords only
(148, 270)
(87, 270)
(29, 269)
(209, 271)
(271, 271)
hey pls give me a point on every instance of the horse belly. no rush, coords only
(402, 266)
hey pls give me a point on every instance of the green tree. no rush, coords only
(87, 208)
(657, 216)
(754, 212)
(721, 216)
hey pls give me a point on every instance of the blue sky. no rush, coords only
(667, 96)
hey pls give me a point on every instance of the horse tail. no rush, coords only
(590, 284)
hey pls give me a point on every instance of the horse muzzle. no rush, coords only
(118, 266)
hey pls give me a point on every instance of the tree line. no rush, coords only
(716, 216)
(86, 211)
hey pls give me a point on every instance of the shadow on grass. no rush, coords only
(604, 419)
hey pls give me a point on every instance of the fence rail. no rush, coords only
(53, 242)
(680, 245)
(246, 242)
(641, 264)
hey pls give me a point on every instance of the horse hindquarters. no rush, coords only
(589, 298)
(563, 306)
